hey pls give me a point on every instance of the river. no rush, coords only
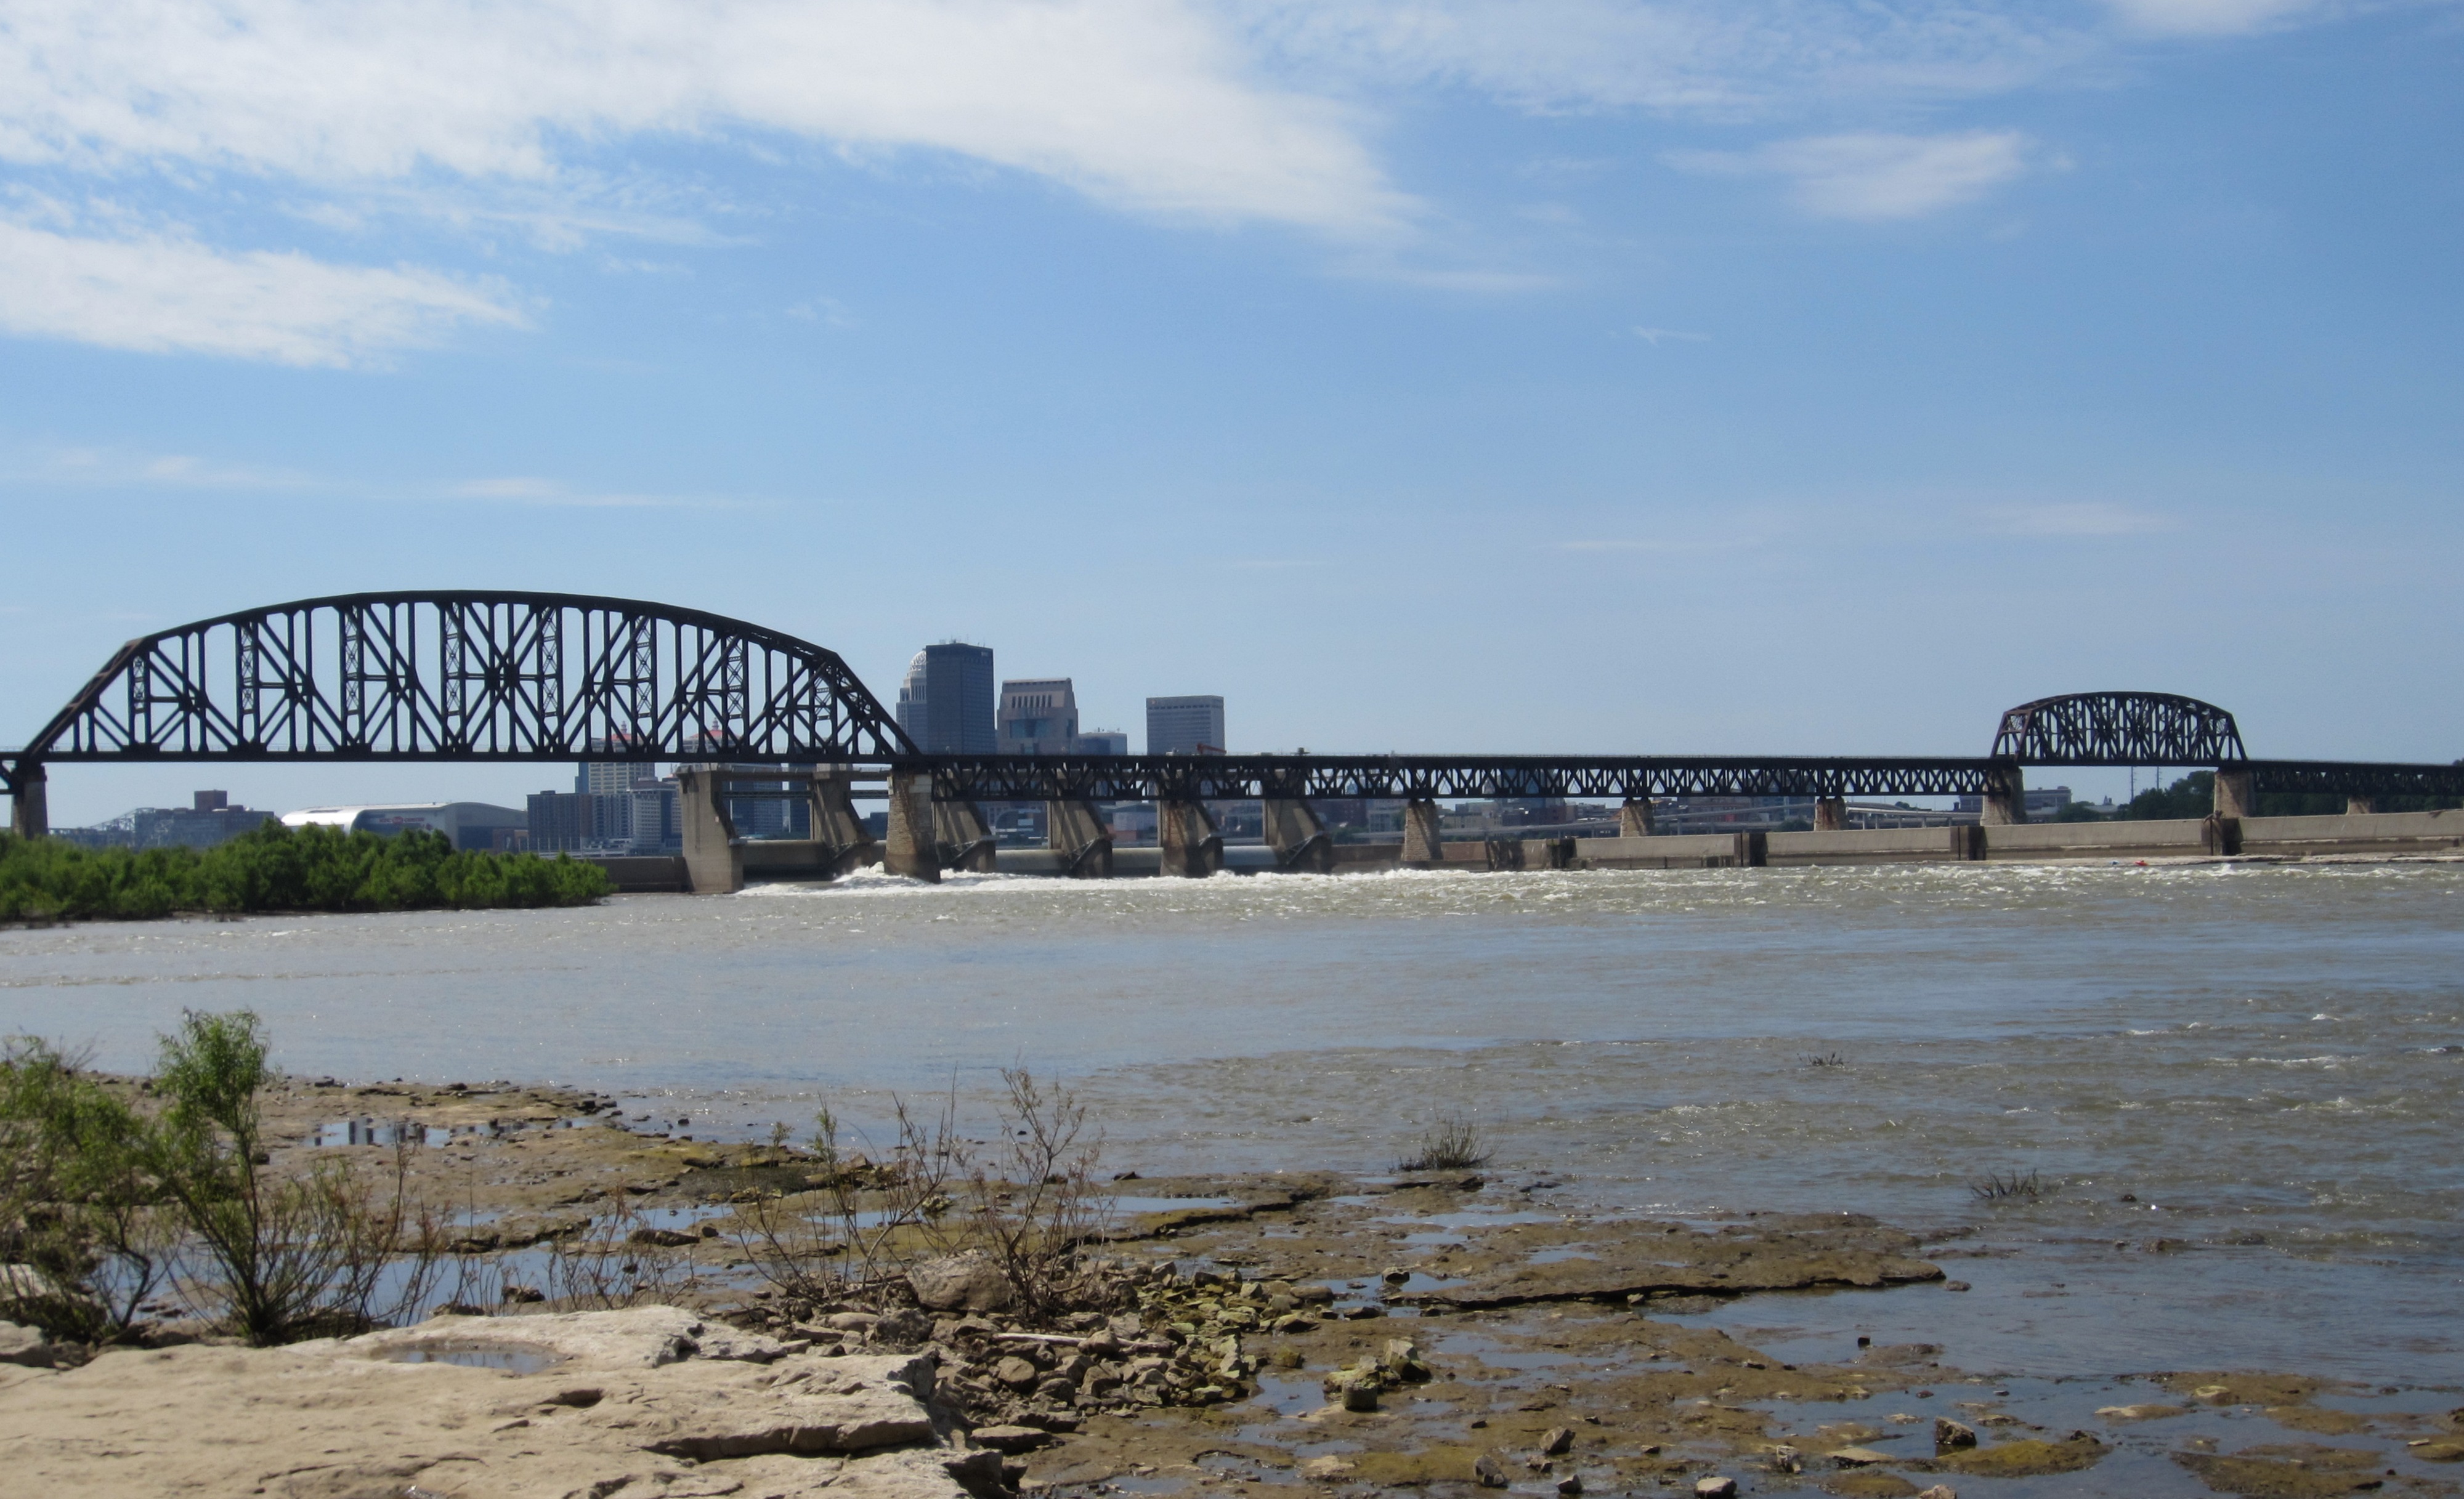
(2237, 1089)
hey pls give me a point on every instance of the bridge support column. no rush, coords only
(29, 814)
(1423, 843)
(714, 858)
(1634, 817)
(1298, 836)
(1830, 814)
(1192, 848)
(2361, 806)
(962, 838)
(2235, 796)
(1085, 842)
(910, 849)
(2005, 799)
(846, 845)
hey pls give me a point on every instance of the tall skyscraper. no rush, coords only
(1039, 715)
(945, 703)
(1186, 726)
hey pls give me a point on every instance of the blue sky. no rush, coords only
(1570, 375)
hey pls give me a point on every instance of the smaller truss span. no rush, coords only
(2119, 729)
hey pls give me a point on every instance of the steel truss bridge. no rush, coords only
(512, 676)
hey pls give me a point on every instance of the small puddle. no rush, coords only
(512, 1360)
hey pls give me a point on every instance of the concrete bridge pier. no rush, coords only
(1298, 836)
(2361, 806)
(2234, 794)
(1634, 817)
(1830, 814)
(1079, 834)
(1424, 843)
(2006, 797)
(1192, 848)
(714, 858)
(844, 844)
(962, 840)
(29, 814)
(910, 849)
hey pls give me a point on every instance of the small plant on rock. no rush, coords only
(83, 1236)
(1453, 1143)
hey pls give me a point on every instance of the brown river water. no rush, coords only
(2238, 1087)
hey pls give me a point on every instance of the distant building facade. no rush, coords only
(946, 701)
(1039, 715)
(209, 820)
(2042, 801)
(1101, 742)
(471, 824)
(1186, 726)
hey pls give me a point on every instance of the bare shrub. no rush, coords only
(1029, 1204)
(614, 1264)
(337, 1250)
(1453, 1143)
(2001, 1188)
(1037, 1202)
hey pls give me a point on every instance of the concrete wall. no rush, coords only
(1677, 852)
(2375, 832)
(1876, 846)
(2151, 840)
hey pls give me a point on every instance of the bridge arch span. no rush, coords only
(477, 675)
(2119, 729)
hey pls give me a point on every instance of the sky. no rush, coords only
(1587, 376)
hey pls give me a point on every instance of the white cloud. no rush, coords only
(1735, 58)
(2208, 17)
(553, 492)
(164, 295)
(2089, 517)
(1137, 102)
(1656, 335)
(1873, 176)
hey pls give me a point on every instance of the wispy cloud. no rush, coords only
(1877, 176)
(553, 492)
(2082, 518)
(170, 295)
(1142, 104)
(1656, 336)
(2210, 18)
(106, 469)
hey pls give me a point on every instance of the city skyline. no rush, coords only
(1776, 379)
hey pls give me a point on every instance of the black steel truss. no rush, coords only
(1232, 778)
(2118, 729)
(552, 676)
(470, 677)
(2354, 777)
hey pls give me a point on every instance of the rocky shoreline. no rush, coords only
(1447, 1333)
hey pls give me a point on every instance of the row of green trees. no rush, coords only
(2195, 796)
(110, 1198)
(276, 867)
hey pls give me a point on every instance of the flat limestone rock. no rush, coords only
(606, 1418)
(1624, 1262)
(637, 1338)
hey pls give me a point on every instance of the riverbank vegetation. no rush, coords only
(276, 867)
(108, 1200)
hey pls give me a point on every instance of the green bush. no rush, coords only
(82, 1231)
(276, 867)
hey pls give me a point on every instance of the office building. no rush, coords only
(1039, 715)
(1184, 725)
(1101, 742)
(946, 704)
